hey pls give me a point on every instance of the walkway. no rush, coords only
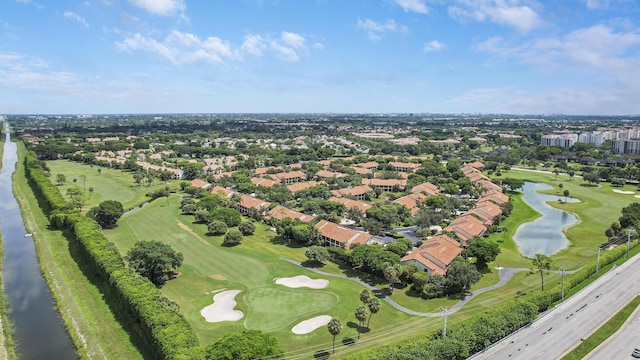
(505, 275)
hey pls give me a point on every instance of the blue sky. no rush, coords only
(343, 56)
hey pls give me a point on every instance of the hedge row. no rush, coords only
(462, 339)
(160, 323)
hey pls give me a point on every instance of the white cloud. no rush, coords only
(318, 46)
(433, 46)
(254, 45)
(76, 17)
(597, 4)
(292, 39)
(413, 5)
(161, 7)
(182, 48)
(283, 52)
(511, 13)
(375, 30)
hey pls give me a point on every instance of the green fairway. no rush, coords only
(252, 268)
(110, 184)
(599, 207)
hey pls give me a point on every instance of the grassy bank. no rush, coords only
(597, 209)
(7, 347)
(92, 325)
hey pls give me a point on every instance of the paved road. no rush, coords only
(505, 275)
(621, 344)
(561, 329)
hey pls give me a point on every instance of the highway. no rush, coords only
(621, 344)
(563, 328)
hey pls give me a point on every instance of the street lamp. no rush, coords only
(444, 329)
(598, 263)
(562, 299)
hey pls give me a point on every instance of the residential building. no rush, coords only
(434, 255)
(466, 228)
(341, 236)
(281, 213)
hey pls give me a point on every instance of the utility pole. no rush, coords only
(444, 329)
(562, 299)
(598, 263)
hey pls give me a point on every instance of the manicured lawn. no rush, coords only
(111, 184)
(599, 207)
(252, 268)
(93, 327)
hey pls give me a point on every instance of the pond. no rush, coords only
(38, 329)
(543, 235)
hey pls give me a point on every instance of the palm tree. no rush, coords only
(374, 306)
(541, 263)
(361, 315)
(392, 273)
(365, 296)
(334, 326)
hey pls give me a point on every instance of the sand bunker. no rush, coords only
(222, 308)
(303, 281)
(308, 326)
(623, 192)
(637, 196)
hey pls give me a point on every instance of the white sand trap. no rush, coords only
(308, 326)
(637, 196)
(222, 308)
(303, 281)
(623, 192)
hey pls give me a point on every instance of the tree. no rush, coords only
(512, 184)
(244, 345)
(571, 174)
(247, 228)
(392, 273)
(90, 191)
(460, 276)
(317, 253)
(154, 260)
(566, 195)
(202, 215)
(361, 315)
(232, 238)
(335, 327)
(107, 213)
(374, 306)
(231, 217)
(483, 250)
(541, 263)
(217, 227)
(591, 178)
(60, 179)
(420, 280)
(83, 177)
(365, 296)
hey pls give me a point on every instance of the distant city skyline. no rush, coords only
(574, 57)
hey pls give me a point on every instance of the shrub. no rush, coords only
(247, 228)
(217, 227)
(232, 238)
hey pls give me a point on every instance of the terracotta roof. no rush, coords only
(435, 254)
(222, 192)
(281, 212)
(411, 202)
(477, 164)
(496, 196)
(263, 182)
(290, 175)
(355, 191)
(488, 185)
(385, 182)
(466, 227)
(263, 170)
(329, 174)
(398, 164)
(361, 170)
(250, 202)
(349, 203)
(218, 176)
(474, 177)
(343, 235)
(295, 187)
(426, 187)
(368, 165)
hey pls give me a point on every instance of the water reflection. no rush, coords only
(543, 235)
(38, 330)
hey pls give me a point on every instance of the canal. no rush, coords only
(38, 330)
(544, 235)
